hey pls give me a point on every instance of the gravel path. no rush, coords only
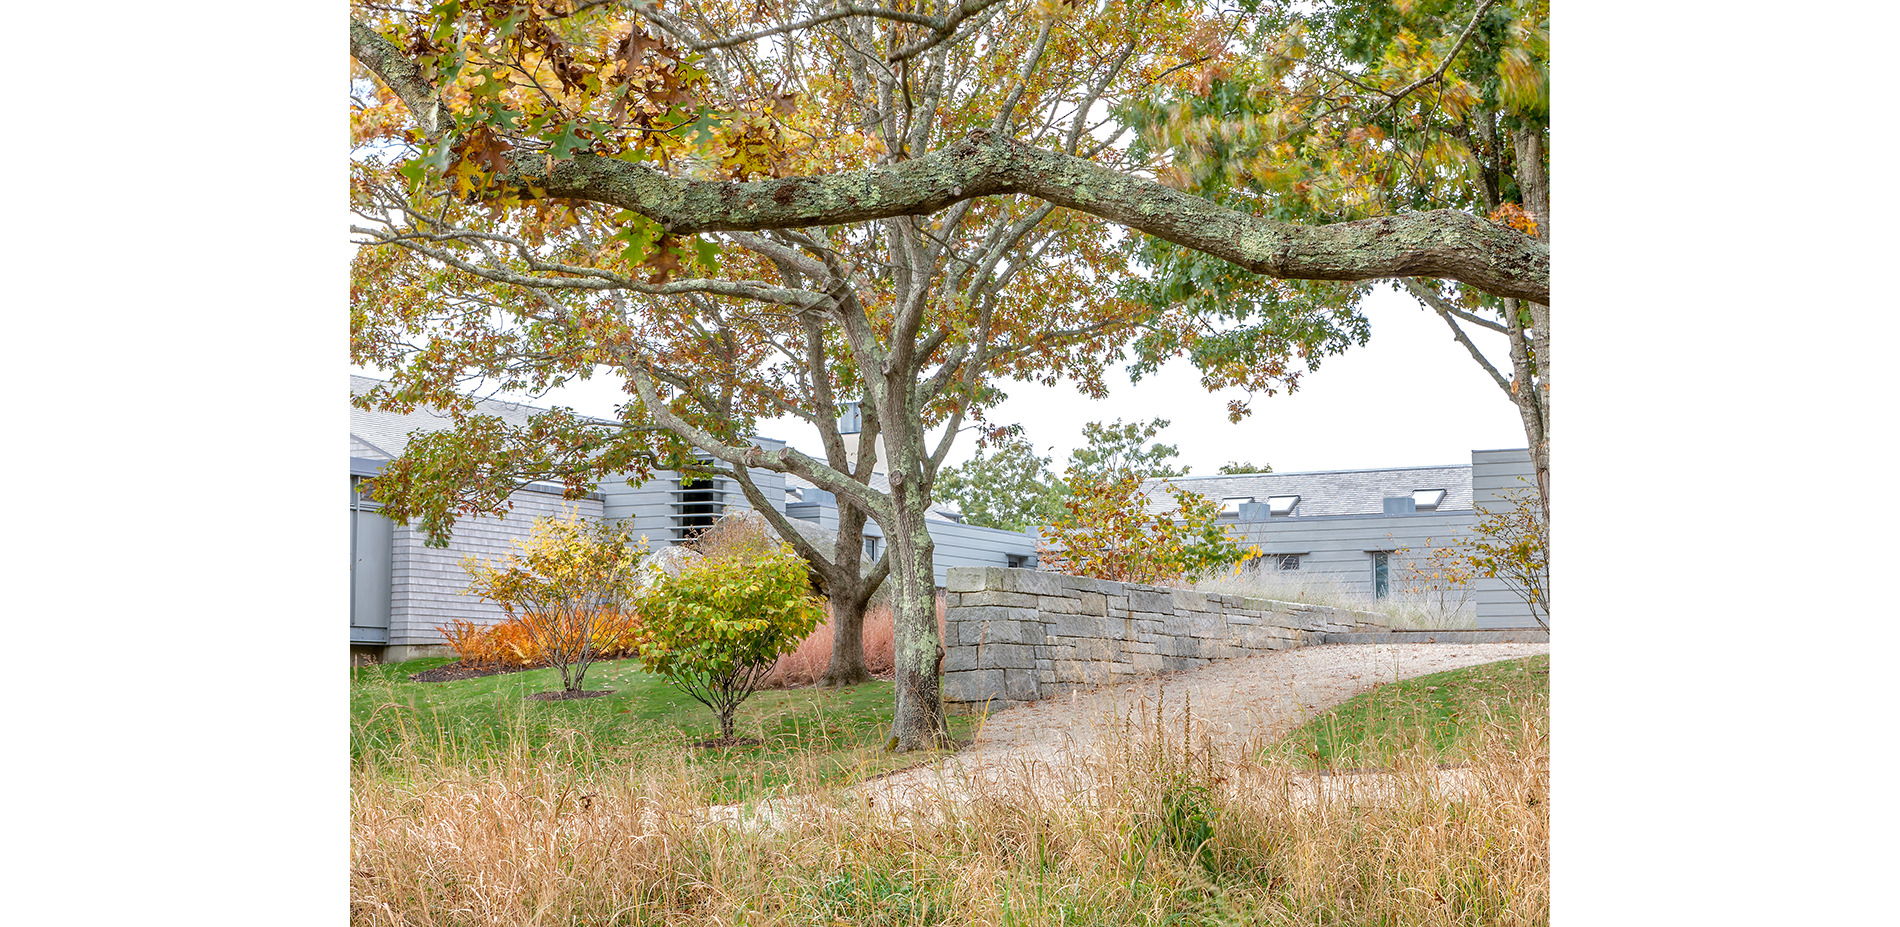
(1049, 744)
(1251, 700)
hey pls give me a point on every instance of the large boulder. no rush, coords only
(667, 561)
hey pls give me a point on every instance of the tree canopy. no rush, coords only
(748, 211)
(1347, 109)
(1008, 485)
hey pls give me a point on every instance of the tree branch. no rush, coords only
(1442, 243)
(1394, 97)
(388, 62)
(1444, 311)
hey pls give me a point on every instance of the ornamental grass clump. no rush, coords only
(716, 629)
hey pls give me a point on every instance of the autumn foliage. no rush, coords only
(1512, 543)
(567, 591)
(1108, 533)
(716, 628)
(511, 643)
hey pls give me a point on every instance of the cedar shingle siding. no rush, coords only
(426, 583)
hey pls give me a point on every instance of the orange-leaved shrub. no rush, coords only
(513, 643)
(570, 585)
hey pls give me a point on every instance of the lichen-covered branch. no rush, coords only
(1444, 243)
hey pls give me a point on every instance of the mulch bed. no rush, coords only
(455, 671)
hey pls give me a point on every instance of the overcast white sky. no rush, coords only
(1410, 397)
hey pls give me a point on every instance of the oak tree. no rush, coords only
(574, 155)
(1346, 110)
(914, 318)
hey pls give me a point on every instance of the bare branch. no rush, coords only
(1431, 297)
(594, 278)
(1008, 110)
(1445, 311)
(1095, 93)
(944, 30)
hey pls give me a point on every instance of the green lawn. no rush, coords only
(1444, 713)
(827, 736)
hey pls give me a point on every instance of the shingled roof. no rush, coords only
(1325, 492)
(381, 435)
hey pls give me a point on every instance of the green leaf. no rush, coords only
(429, 165)
(564, 143)
(708, 255)
(638, 233)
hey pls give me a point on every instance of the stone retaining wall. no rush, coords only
(1014, 636)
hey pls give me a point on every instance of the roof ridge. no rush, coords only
(1230, 476)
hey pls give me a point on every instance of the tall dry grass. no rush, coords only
(1165, 828)
(806, 665)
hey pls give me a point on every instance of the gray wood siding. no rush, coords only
(1494, 474)
(970, 545)
(426, 583)
(1339, 548)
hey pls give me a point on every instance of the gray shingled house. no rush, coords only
(1363, 529)
(402, 589)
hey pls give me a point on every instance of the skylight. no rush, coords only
(1281, 505)
(1427, 499)
(1231, 505)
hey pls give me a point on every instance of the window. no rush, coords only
(1426, 500)
(1281, 505)
(698, 506)
(870, 547)
(1381, 575)
(1289, 561)
(1231, 505)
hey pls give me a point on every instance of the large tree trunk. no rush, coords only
(1528, 396)
(919, 722)
(1533, 181)
(847, 666)
(849, 591)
